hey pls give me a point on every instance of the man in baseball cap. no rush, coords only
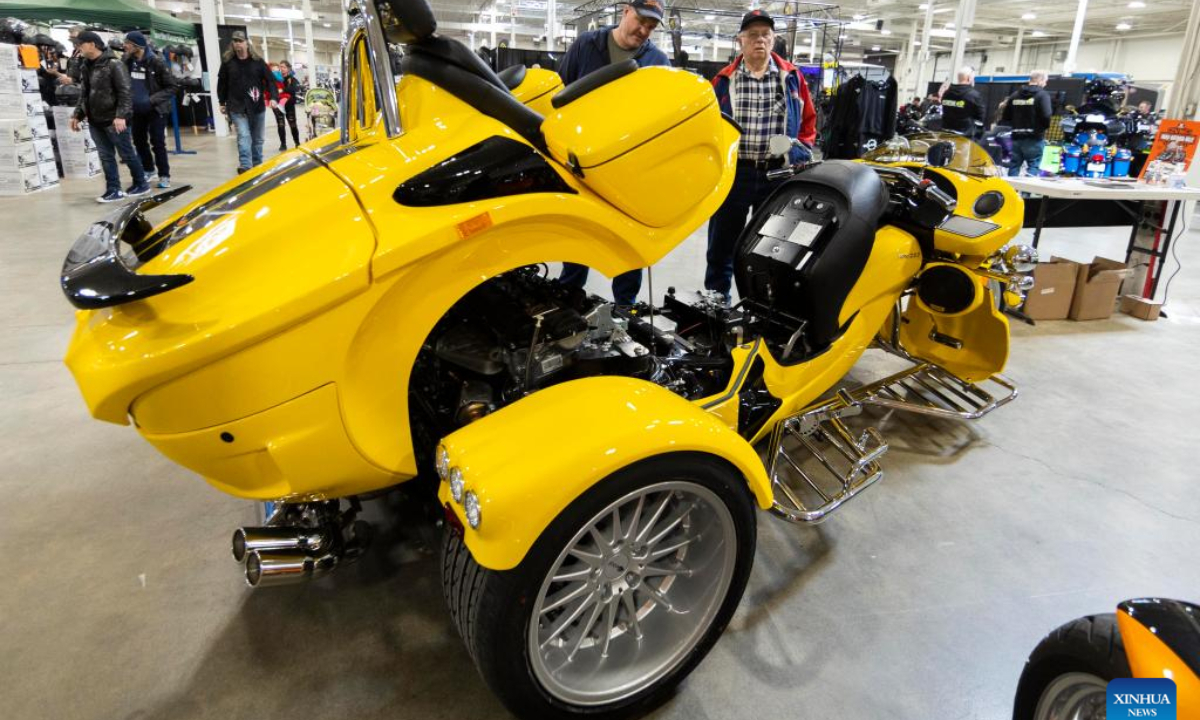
(629, 39)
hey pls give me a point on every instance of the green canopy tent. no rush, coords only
(115, 14)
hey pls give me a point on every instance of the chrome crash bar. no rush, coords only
(364, 24)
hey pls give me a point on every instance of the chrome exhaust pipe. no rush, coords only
(266, 568)
(308, 541)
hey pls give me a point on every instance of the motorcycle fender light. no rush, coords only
(456, 484)
(474, 226)
(443, 463)
(471, 509)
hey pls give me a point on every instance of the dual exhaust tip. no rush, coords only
(283, 555)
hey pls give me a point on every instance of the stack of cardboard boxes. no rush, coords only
(77, 150)
(1064, 289)
(26, 151)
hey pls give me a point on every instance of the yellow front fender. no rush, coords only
(528, 461)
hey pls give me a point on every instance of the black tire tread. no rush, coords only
(1089, 644)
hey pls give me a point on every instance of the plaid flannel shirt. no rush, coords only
(760, 108)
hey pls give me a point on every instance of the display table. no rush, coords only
(1079, 202)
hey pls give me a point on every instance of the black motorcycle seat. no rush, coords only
(854, 199)
(512, 76)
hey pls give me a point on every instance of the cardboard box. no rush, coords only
(1096, 289)
(10, 74)
(39, 128)
(34, 107)
(48, 171)
(12, 106)
(29, 81)
(1053, 288)
(1140, 307)
(15, 157)
(86, 166)
(45, 150)
(13, 132)
(20, 181)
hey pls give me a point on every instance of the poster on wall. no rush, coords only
(1172, 152)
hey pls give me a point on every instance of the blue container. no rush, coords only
(1070, 159)
(1121, 162)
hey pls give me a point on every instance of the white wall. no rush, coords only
(1148, 59)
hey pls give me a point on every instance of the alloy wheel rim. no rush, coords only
(632, 593)
(1073, 696)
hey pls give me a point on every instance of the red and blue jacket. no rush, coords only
(801, 120)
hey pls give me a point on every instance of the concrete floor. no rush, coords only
(919, 600)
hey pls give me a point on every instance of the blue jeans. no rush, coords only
(625, 287)
(750, 188)
(1026, 151)
(108, 143)
(250, 138)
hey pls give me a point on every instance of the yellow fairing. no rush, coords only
(1149, 657)
(314, 292)
(537, 88)
(1009, 218)
(983, 332)
(529, 460)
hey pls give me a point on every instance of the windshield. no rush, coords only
(968, 158)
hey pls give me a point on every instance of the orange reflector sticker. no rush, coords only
(474, 226)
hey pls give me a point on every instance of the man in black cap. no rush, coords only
(767, 96)
(243, 84)
(153, 89)
(629, 39)
(107, 104)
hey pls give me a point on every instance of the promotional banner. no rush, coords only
(1172, 152)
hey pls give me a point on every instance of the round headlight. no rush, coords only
(471, 508)
(456, 485)
(443, 462)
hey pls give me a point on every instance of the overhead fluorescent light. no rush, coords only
(326, 25)
(1137, 4)
(874, 48)
(1037, 33)
(1124, 26)
(923, 6)
(710, 17)
(859, 16)
(917, 43)
(1029, 16)
(885, 31)
(285, 13)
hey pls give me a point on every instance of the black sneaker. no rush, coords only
(283, 148)
(111, 196)
(136, 190)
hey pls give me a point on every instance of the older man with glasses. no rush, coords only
(767, 96)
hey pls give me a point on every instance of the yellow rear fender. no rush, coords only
(528, 461)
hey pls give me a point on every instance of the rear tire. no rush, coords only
(683, 589)
(1066, 674)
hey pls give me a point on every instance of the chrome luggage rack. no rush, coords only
(853, 464)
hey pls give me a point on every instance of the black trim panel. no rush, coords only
(496, 167)
(592, 81)
(96, 274)
(1176, 623)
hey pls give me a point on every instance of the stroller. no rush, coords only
(321, 108)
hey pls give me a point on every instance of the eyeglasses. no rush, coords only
(755, 37)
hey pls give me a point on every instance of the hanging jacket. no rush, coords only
(863, 115)
(104, 91)
(963, 110)
(1027, 112)
(801, 121)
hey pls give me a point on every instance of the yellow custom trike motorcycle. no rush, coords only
(372, 309)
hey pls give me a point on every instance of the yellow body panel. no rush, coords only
(348, 299)
(528, 461)
(538, 87)
(1149, 657)
(1010, 218)
(983, 331)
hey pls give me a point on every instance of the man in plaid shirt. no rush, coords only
(766, 96)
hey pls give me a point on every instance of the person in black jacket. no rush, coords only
(105, 101)
(1027, 112)
(963, 110)
(243, 84)
(153, 90)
